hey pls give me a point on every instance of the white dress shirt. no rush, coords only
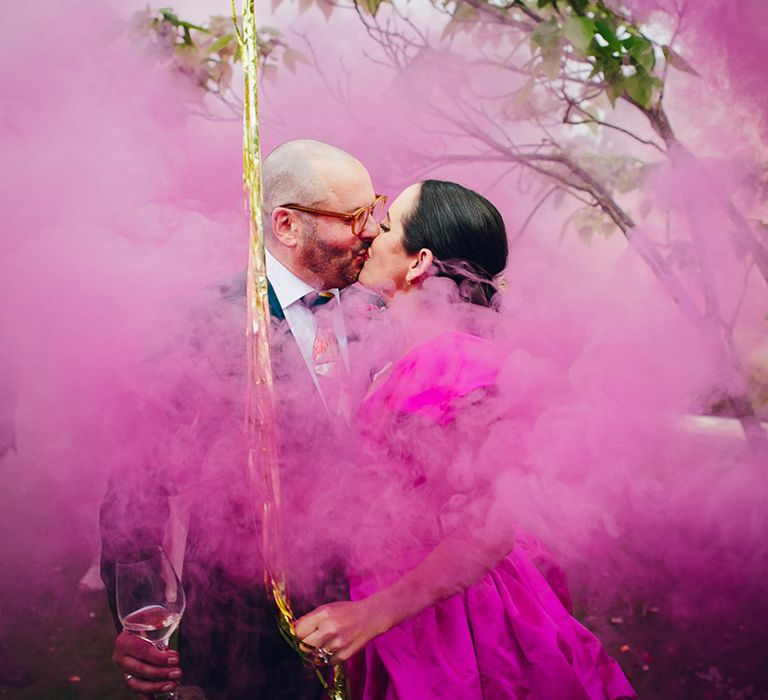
(289, 291)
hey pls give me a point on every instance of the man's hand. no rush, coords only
(146, 669)
(342, 628)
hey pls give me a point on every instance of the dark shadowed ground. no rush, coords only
(56, 641)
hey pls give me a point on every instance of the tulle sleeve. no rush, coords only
(432, 377)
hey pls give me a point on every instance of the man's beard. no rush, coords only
(335, 266)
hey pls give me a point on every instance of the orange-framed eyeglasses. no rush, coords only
(358, 219)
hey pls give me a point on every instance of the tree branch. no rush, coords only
(500, 14)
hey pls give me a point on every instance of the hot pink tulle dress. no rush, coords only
(507, 636)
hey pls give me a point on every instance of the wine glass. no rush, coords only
(150, 603)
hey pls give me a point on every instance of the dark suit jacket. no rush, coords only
(229, 642)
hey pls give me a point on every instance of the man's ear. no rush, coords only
(419, 266)
(285, 226)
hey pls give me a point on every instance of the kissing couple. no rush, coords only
(446, 599)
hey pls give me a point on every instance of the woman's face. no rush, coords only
(388, 262)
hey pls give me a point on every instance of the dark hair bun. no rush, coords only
(465, 233)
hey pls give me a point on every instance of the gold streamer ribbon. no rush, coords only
(260, 426)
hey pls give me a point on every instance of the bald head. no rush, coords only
(305, 172)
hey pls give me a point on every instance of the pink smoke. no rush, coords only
(121, 208)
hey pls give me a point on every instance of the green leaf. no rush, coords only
(677, 61)
(586, 233)
(610, 68)
(169, 16)
(596, 68)
(189, 25)
(372, 6)
(548, 37)
(326, 7)
(622, 173)
(465, 12)
(579, 32)
(579, 6)
(291, 57)
(513, 106)
(640, 88)
(641, 50)
(550, 61)
(523, 94)
(615, 89)
(220, 43)
(589, 222)
(608, 34)
(546, 33)
(462, 20)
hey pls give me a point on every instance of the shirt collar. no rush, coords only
(288, 288)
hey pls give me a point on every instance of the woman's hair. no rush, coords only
(465, 233)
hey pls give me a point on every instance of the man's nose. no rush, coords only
(371, 230)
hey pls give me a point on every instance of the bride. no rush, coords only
(449, 604)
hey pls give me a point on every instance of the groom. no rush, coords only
(320, 216)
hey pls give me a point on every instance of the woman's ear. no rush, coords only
(284, 226)
(419, 265)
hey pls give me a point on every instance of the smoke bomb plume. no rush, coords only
(609, 438)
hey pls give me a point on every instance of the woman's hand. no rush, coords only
(339, 630)
(342, 628)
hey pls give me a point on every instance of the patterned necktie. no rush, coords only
(325, 348)
(326, 352)
(314, 300)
